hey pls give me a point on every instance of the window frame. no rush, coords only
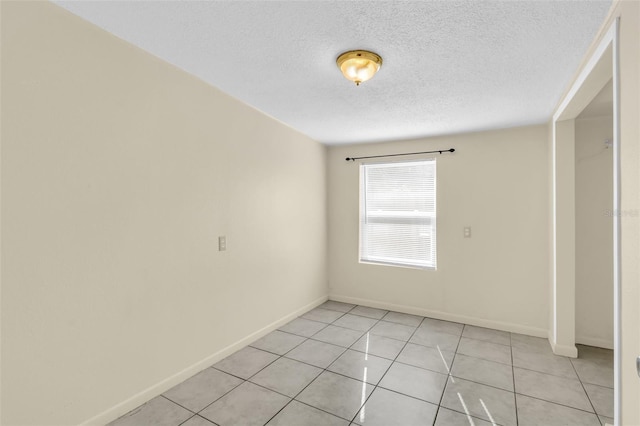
(407, 216)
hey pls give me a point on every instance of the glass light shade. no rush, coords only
(359, 65)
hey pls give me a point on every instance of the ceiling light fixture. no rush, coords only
(359, 65)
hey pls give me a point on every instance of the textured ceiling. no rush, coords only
(449, 66)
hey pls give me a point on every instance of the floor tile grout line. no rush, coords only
(311, 406)
(484, 359)
(230, 390)
(304, 337)
(262, 368)
(300, 335)
(282, 355)
(387, 370)
(335, 310)
(473, 381)
(379, 335)
(449, 374)
(482, 340)
(181, 423)
(325, 369)
(284, 331)
(180, 405)
(556, 403)
(442, 331)
(362, 352)
(264, 387)
(405, 394)
(455, 353)
(595, 363)
(279, 357)
(406, 342)
(312, 320)
(546, 354)
(322, 309)
(386, 312)
(455, 410)
(513, 377)
(291, 399)
(378, 319)
(359, 318)
(364, 316)
(328, 343)
(597, 385)
(346, 328)
(394, 360)
(547, 373)
(279, 393)
(585, 390)
(519, 393)
(242, 378)
(196, 415)
(332, 344)
(592, 363)
(321, 322)
(381, 377)
(424, 368)
(327, 324)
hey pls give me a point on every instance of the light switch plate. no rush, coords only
(467, 232)
(222, 243)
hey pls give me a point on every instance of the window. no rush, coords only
(398, 213)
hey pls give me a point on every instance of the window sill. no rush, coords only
(399, 265)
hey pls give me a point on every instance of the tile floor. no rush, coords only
(342, 364)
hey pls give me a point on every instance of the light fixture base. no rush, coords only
(359, 65)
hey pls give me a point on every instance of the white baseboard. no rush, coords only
(594, 341)
(565, 350)
(166, 384)
(480, 322)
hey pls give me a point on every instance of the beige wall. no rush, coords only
(594, 231)
(563, 332)
(119, 172)
(496, 183)
(629, 12)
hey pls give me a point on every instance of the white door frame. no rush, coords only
(562, 333)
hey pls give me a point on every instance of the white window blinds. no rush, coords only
(398, 213)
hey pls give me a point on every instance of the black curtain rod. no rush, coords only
(395, 155)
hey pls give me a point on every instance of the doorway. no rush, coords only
(594, 221)
(600, 71)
